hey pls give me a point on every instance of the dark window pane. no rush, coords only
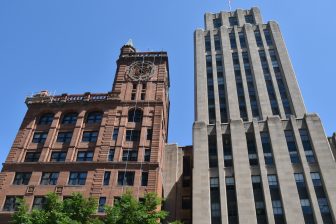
(49, 178)
(22, 178)
(126, 178)
(58, 156)
(77, 178)
(46, 119)
(70, 118)
(94, 117)
(32, 156)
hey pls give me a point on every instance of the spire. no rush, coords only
(129, 43)
(128, 47)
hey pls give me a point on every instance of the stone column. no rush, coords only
(201, 183)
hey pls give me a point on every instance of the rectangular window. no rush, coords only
(217, 43)
(252, 149)
(101, 204)
(132, 135)
(305, 139)
(40, 137)
(144, 178)
(90, 136)
(186, 181)
(304, 198)
(84, 156)
(39, 202)
(215, 203)
(207, 43)
(259, 199)
(46, 119)
(64, 137)
(143, 95)
(149, 134)
(277, 207)
(258, 38)
(111, 154)
(227, 149)
(58, 156)
(147, 155)
(32, 157)
(94, 117)
(268, 37)
(126, 178)
(316, 179)
(22, 178)
(217, 23)
(267, 148)
(77, 178)
(233, 21)
(49, 178)
(219, 62)
(249, 19)
(130, 155)
(107, 176)
(70, 118)
(212, 144)
(233, 42)
(291, 145)
(242, 40)
(11, 203)
(231, 200)
(115, 134)
(186, 202)
(276, 199)
(272, 181)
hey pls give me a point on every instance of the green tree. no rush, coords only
(128, 210)
(79, 210)
(75, 210)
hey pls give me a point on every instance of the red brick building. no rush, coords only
(96, 144)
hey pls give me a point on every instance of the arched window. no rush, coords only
(94, 117)
(70, 118)
(134, 115)
(46, 119)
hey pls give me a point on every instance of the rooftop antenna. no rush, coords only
(230, 5)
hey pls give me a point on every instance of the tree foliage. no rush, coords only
(80, 210)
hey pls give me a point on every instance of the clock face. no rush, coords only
(140, 70)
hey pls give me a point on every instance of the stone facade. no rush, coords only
(84, 139)
(177, 185)
(332, 142)
(259, 157)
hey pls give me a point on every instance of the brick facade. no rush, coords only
(112, 108)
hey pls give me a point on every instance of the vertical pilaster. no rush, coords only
(201, 181)
(324, 158)
(242, 173)
(263, 173)
(289, 195)
(229, 76)
(306, 172)
(201, 99)
(288, 71)
(257, 15)
(240, 17)
(221, 173)
(260, 85)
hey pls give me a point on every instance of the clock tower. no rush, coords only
(99, 144)
(142, 82)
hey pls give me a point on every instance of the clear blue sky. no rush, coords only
(70, 46)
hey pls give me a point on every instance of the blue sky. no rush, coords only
(70, 46)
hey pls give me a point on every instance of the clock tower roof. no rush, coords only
(128, 47)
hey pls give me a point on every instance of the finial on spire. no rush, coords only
(129, 43)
